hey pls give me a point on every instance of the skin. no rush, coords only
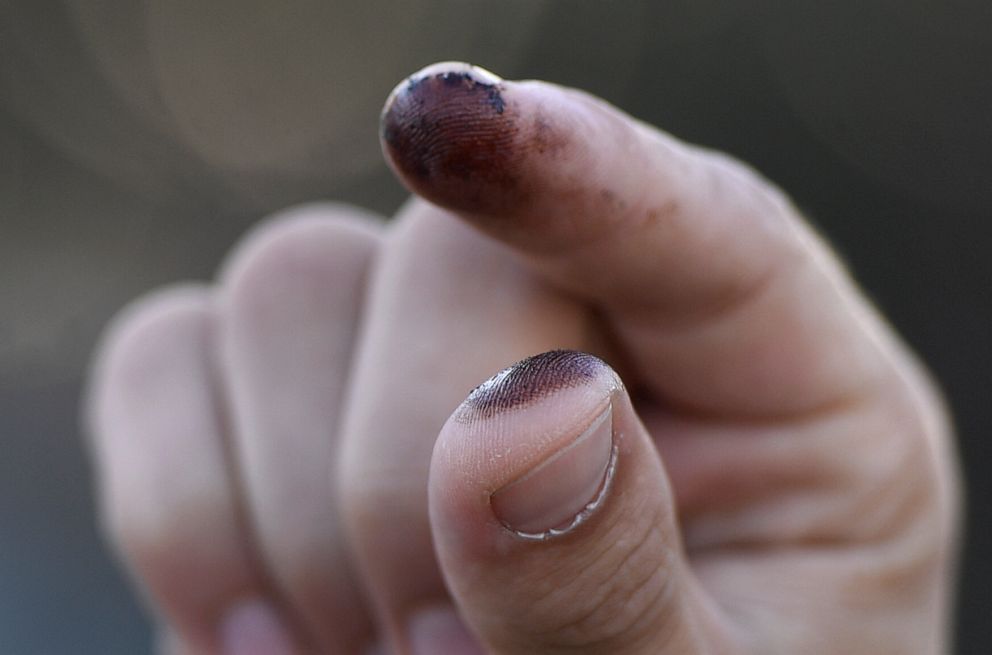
(278, 467)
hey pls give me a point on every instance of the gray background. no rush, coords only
(139, 139)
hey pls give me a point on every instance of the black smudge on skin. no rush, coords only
(529, 381)
(452, 137)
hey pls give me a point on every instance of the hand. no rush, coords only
(773, 474)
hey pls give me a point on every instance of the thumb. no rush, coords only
(553, 519)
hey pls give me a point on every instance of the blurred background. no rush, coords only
(139, 139)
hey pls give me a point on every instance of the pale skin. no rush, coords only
(278, 468)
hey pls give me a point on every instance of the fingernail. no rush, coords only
(560, 492)
(253, 627)
(440, 630)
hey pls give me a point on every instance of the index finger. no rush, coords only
(722, 295)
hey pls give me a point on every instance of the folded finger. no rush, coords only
(167, 492)
(290, 302)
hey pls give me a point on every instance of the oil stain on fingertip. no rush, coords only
(468, 79)
(529, 381)
(450, 133)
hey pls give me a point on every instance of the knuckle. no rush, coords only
(324, 239)
(140, 334)
(161, 544)
(144, 322)
(182, 555)
(910, 486)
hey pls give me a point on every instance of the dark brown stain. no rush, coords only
(546, 140)
(451, 136)
(613, 202)
(529, 381)
(664, 212)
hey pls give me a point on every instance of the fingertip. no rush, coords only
(123, 346)
(442, 68)
(509, 156)
(138, 321)
(552, 516)
(336, 235)
(449, 134)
